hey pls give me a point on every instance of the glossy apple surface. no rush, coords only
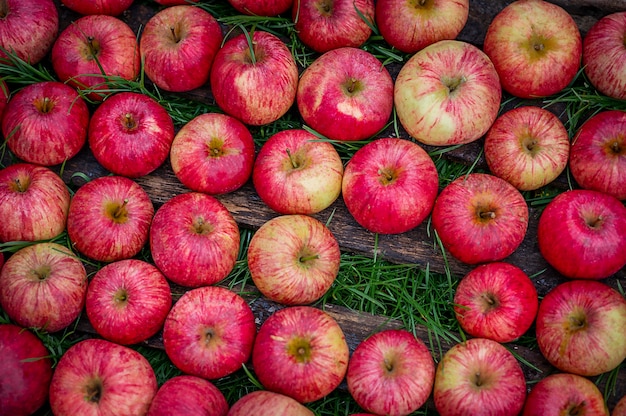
(110, 7)
(262, 7)
(268, 403)
(186, 395)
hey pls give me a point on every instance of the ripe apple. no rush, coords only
(480, 218)
(213, 153)
(582, 234)
(535, 46)
(580, 327)
(202, 233)
(412, 25)
(110, 7)
(597, 158)
(178, 45)
(323, 25)
(262, 7)
(391, 373)
(389, 185)
(127, 301)
(293, 259)
(174, 2)
(34, 203)
(109, 218)
(187, 395)
(528, 147)
(479, 377)
(268, 403)
(209, 332)
(25, 372)
(4, 97)
(300, 351)
(447, 93)
(496, 300)
(99, 377)
(255, 83)
(130, 134)
(345, 94)
(620, 407)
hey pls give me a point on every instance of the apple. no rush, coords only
(528, 147)
(390, 185)
(178, 45)
(130, 134)
(564, 393)
(391, 373)
(99, 377)
(536, 47)
(110, 7)
(345, 94)
(496, 300)
(174, 2)
(261, 7)
(301, 352)
(412, 25)
(46, 123)
(254, 83)
(480, 377)
(127, 301)
(295, 173)
(202, 233)
(480, 218)
(34, 203)
(582, 234)
(604, 57)
(293, 259)
(186, 395)
(17, 20)
(213, 153)
(323, 25)
(43, 286)
(209, 332)
(597, 158)
(268, 403)
(109, 218)
(25, 372)
(580, 327)
(447, 93)
(620, 407)
(5, 94)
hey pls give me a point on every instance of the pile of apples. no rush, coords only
(448, 92)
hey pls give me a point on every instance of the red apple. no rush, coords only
(109, 218)
(202, 233)
(174, 2)
(4, 97)
(389, 185)
(447, 93)
(268, 403)
(535, 46)
(186, 395)
(209, 332)
(480, 218)
(110, 7)
(213, 153)
(582, 234)
(130, 134)
(262, 7)
(345, 94)
(391, 373)
(620, 407)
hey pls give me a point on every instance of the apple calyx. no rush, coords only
(485, 214)
(539, 45)
(93, 390)
(117, 212)
(201, 227)
(387, 176)
(121, 297)
(529, 143)
(216, 147)
(616, 148)
(300, 349)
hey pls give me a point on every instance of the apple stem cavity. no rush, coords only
(453, 84)
(304, 259)
(120, 211)
(201, 227)
(175, 35)
(18, 186)
(93, 391)
(295, 163)
(300, 349)
(129, 121)
(94, 46)
(45, 105)
(121, 296)
(42, 273)
(4, 9)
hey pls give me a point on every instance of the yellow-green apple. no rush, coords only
(255, 83)
(186, 395)
(391, 373)
(301, 352)
(268, 403)
(536, 47)
(262, 7)
(412, 25)
(447, 93)
(178, 45)
(109, 218)
(479, 377)
(127, 301)
(202, 233)
(130, 134)
(110, 7)
(597, 157)
(527, 146)
(389, 185)
(345, 94)
(580, 327)
(43, 286)
(480, 218)
(34, 203)
(213, 153)
(99, 377)
(295, 173)
(582, 234)
(209, 332)
(293, 259)
(496, 300)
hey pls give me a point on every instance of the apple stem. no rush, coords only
(129, 121)
(304, 259)
(487, 215)
(174, 34)
(93, 48)
(18, 185)
(294, 164)
(46, 106)
(477, 379)
(538, 46)
(119, 211)
(388, 365)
